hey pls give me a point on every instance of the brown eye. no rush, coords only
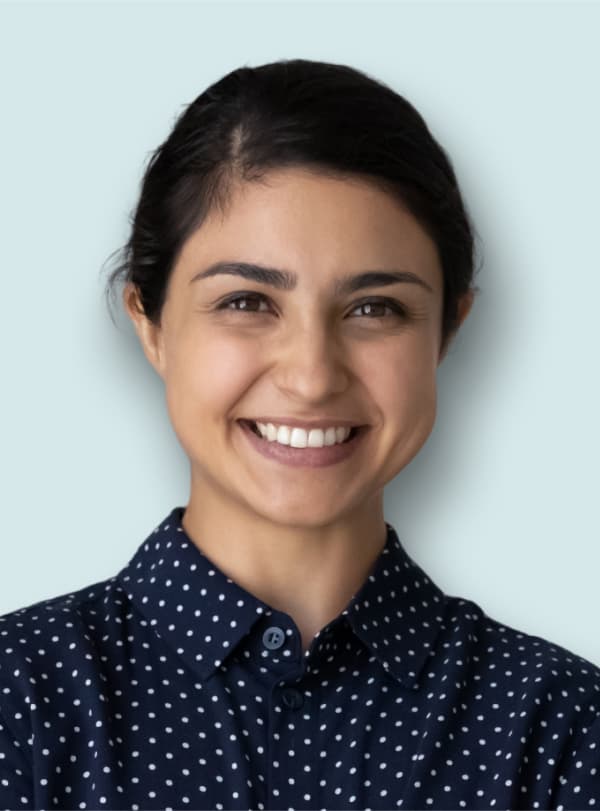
(243, 298)
(376, 307)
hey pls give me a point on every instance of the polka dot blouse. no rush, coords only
(169, 686)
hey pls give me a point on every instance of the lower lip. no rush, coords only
(304, 457)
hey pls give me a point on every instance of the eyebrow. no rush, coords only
(287, 280)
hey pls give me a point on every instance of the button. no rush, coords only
(273, 637)
(292, 698)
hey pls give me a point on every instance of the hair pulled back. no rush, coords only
(329, 118)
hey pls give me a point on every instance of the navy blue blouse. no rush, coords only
(170, 686)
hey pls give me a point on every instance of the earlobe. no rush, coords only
(149, 334)
(464, 306)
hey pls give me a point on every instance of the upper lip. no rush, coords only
(296, 423)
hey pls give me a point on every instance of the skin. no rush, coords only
(301, 539)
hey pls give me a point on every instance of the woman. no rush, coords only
(299, 262)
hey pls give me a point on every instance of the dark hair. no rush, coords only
(327, 117)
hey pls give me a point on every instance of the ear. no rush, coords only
(463, 309)
(149, 334)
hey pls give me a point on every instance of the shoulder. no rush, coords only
(524, 669)
(40, 642)
(451, 637)
(44, 628)
(43, 619)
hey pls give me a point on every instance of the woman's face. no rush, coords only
(310, 351)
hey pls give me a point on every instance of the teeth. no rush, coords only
(300, 438)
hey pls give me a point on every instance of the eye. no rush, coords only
(374, 305)
(383, 303)
(244, 297)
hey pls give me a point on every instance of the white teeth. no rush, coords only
(300, 438)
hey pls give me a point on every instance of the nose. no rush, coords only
(311, 365)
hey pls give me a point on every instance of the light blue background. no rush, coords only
(500, 506)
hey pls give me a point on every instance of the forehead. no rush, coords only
(313, 223)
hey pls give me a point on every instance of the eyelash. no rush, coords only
(397, 309)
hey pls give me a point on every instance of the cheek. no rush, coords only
(407, 397)
(404, 376)
(206, 378)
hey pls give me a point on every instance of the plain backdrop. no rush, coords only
(501, 504)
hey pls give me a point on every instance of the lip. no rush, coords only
(303, 457)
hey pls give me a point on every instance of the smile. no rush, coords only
(301, 437)
(305, 455)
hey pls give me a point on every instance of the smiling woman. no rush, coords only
(305, 349)
(299, 262)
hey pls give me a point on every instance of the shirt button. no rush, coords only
(273, 637)
(292, 698)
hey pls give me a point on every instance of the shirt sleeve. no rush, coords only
(16, 783)
(578, 774)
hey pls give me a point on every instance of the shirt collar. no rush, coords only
(397, 612)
